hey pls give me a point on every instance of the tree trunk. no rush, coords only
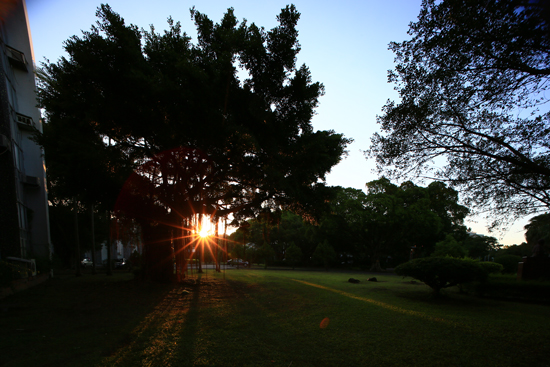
(218, 268)
(108, 243)
(375, 264)
(159, 255)
(77, 239)
(201, 254)
(93, 240)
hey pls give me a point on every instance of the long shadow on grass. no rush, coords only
(157, 339)
(186, 339)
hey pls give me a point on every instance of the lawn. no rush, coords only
(266, 318)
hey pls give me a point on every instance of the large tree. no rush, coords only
(537, 229)
(472, 83)
(235, 101)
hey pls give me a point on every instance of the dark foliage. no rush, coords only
(492, 267)
(471, 81)
(123, 96)
(390, 219)
(442, 272)
(221, 126)
(509, 263)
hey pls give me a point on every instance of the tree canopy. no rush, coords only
(221, 126)
(124, 95)
(472, 110)
(389, 220)
(537, 229)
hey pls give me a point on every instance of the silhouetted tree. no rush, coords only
(471, 81)
(122, 98)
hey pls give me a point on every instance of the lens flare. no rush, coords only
(324, 323)
(203, 233)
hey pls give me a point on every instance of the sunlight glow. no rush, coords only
(203, 233)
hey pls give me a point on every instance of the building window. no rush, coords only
(17, 58)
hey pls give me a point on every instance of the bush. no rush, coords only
(492, 267)
(449, 247)
(10, 272)
(442, 272)
(507, 287)
(44, 264)
(509, 262)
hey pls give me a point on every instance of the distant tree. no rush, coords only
(280, 230)
(471, 81)
(293, 255)
(479, 246)
(390, 219)
(324, 254)
(523, 249)
(289, 230)
(449, 247)
(265, 253)
(345, 226)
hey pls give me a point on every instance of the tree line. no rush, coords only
(382, 227)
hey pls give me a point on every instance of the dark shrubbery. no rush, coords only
(507, 287)
(443, 272)
(10, 272)
(509, 262)
(492, 267)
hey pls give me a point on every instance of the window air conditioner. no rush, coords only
(30, 180)
(25, 122)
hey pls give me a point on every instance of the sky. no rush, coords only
(345, 46)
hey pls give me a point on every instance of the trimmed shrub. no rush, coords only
(509, 262)
(449, 247)
(442, 272)
(492, 267)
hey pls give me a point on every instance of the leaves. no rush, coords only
(390, 219)
(471, 81)
(124, 96)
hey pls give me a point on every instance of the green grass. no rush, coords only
(266, 318)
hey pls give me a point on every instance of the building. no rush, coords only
(24, 224)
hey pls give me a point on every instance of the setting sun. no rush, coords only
(203, 233)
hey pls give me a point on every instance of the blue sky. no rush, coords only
(345, 45)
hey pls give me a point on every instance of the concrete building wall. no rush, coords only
(22, 167)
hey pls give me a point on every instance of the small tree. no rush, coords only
(442, 272)
(265, 253)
